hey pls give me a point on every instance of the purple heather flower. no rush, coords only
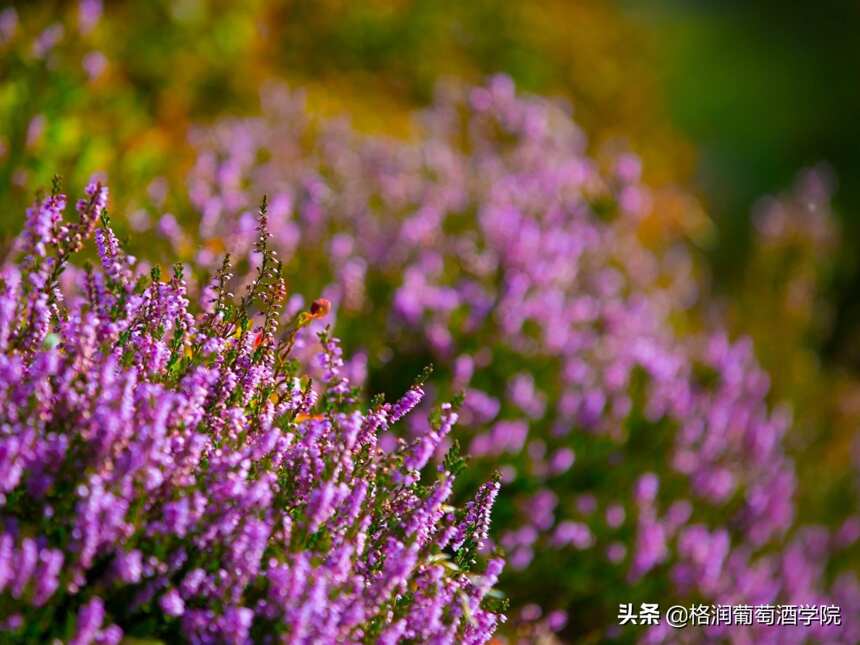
(171, 603)
(174, 437)
(90, 618)
(8, 24)
(615, 516)
(89, 13)
(47, 40)
(573, 533)
(94, 64)
(406, 403)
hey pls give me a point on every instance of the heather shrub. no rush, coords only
(171, 471)
(642, 458)
(643, 452)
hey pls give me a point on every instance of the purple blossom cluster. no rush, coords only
(173, 473)
(638, 446)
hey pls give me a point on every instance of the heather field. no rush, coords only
(428, 322)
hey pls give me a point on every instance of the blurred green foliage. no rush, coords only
(763, 89)
(170, 64)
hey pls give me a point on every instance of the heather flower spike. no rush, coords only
(164, 475)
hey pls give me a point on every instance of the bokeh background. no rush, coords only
(724, 102)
